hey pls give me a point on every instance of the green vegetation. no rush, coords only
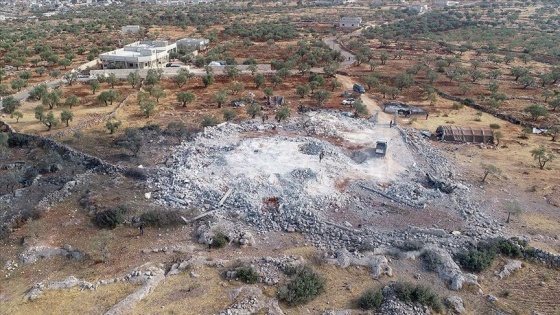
(247, 274)
(420, 294)
(371, 299)
(304, 285)
(111, 218)
(219, 240)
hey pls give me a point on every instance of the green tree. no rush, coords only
(38, 92)
(371, 81)
(302, 90)
(542, 156)
(259, 80)
(18, 84)
(208, 80)
(64, 62)
(371, 299)
(25, 75)
(133, 140)
(536, 111)
(237, 87)
(493, 87)
(66, 116)
(185, 98)
(476, 75)
(54, 73)
(360, 109)
(158, 92)
(527, 81)
(513, 208)
(52, 99)
(282, 113)
(10, 104)
(552, 131)
(321, 96)
(489, 169)
(498, 136)
(231, 71)
(555, 103)
(383, 57)
(112, 80)
(220, 97)
(71, 77)
(432, 76)
(17, 115)
(518, 72)
(403, 81)
(268, 91)
(50, 121)
(94, 85)
(113, 125)
(72, 100)
(39, 112)
(253, 110)
(148, 108)
(107, 97)
(228, 114)
(335, 84)
(276, 80)
(134, 79)
(208, 121)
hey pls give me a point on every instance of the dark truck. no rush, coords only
(380, 148)
(359, 89)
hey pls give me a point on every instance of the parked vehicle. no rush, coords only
(381, 148)
(358, 88)
(348, 101)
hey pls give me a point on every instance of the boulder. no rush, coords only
(455, 304)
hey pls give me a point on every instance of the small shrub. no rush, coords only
(209, 121)
(220, 240)
(247, 275)
(17, 140)
(505, 293)
(475, 260)
(530, 252)
(160, 218)
(135, 173)
(495, 126)
(111, 218)
(304, 286)
(151, 127)
(506, 247)
(423, 295)
(371, 299)
(410, 245)
(431, 260)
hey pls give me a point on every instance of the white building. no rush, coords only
(446, 3)
(420, 8)
(191, 44)
(350, 22)
(138, 55)
(130, 29)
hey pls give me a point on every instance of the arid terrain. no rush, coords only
(240, 190)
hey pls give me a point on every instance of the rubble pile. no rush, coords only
(278, 182)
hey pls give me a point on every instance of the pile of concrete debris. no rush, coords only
(279, 181)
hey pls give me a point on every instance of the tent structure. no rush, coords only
(465, 134)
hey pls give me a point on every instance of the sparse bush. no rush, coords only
(506, 247)
(209, 121)
(304, 285)
(431, 260)
(371, 299)
(135, 173)
(219, 240)
(247, 275)
(475, 260)
(423, 295)
(17, 140)
(160, 218)
(410, 245)
(495, 126)
(111, 218)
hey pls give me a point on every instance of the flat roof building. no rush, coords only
(350, 22)
(132, 29)
(193, 43)
(138, 55)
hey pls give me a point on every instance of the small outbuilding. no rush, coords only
(465, 134)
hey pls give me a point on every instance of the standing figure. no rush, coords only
(321, 155)
(391, 124)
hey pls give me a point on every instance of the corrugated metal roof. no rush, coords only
(465, 134)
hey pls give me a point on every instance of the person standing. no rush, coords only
(321, 155)
(391, 124)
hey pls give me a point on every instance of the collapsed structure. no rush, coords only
(465, 134)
